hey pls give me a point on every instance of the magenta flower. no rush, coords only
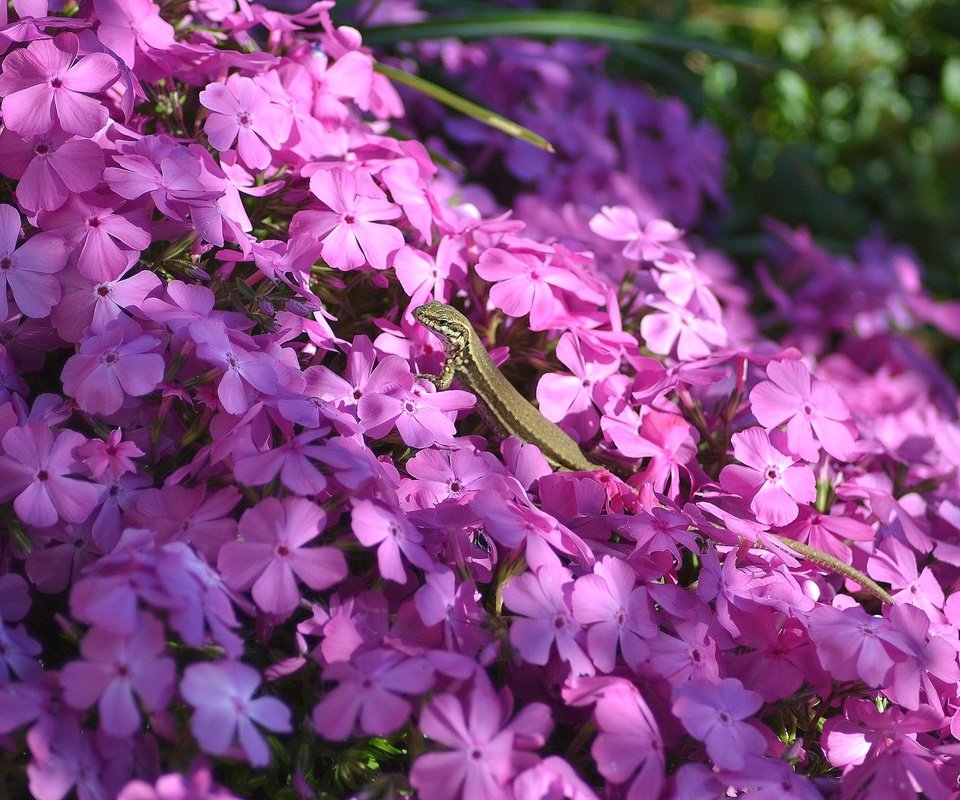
(542, 601)
(772, 480)
(114, 668)
(370, 685)
(111, 458)
(127, 26)
(292, 461)
(668, 440)
(45, 83)
(670, 325)
(87, 303)
(851, 644)
(28, 270)
(245, 113)
(713, 712)
(222, 696)
(482, 754)
(50, 167)
(812, 409)
(112, 366)
(353, 230)
(652, 242)
(271, 555)
(37, 469)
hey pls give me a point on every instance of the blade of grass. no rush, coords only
(559, 24)
(464, 106)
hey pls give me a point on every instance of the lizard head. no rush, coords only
(446, 322)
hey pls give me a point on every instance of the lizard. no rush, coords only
(509, 413)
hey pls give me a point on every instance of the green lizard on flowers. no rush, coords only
(505, 410)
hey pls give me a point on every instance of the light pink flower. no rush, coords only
(353, 231)
(393, 534)
(222, 696)
(772, 480)
(45, 83)
(245, 113)
(813, 410)
(271, 556)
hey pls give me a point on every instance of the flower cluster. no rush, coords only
(240, 530)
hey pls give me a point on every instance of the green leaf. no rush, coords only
(559, 24)
(458, 103)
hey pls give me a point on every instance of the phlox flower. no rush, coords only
(243, 112)
(369, 691)
(270, 555)
(86, 303)
(37, 469)
(771, 479)
(852, 645)
(129, 26)
(424, 277)
(445, 474)
(653, 242)
(106, 237)
(19, 655)
(114, 668)
(525, 283)
(391, 399)
(543, 602)
(45, 83)
(111, 458)
(812, 409)
(222, 696)
(669, 325)
(629, 743)
(552, 777)
(354, 230)
(198, 785)
(29, 270)
(393, 534)
(245, 369)
(292, 460)
(113, 365)
(929, 656)
(484, 750)
(50, 167)
(713, 712)
(570, 397)
(615, 612)
(668, 440)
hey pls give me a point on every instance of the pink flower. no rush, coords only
(28, 270)
(851, 644)
(651, 242)
(615, 613)
(353, 230)
(245, 113)
(50, 167)
(370, 685)
(526, 283)
(669, 325)
(198, 785)
(713, 712)
(45, 83)
(542, 601)
(668, 440)
(393, 535)
(222, 694)
(88, 303)
(112, 366)
(271, 555)
(127, 26)
(114, 668)
(481, 757)
(812, 409)
(106, 237)
(772, 480)
(291, 460)
(110, 458)
(37, 468)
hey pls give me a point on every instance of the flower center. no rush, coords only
(56, 83)
(6, 262)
